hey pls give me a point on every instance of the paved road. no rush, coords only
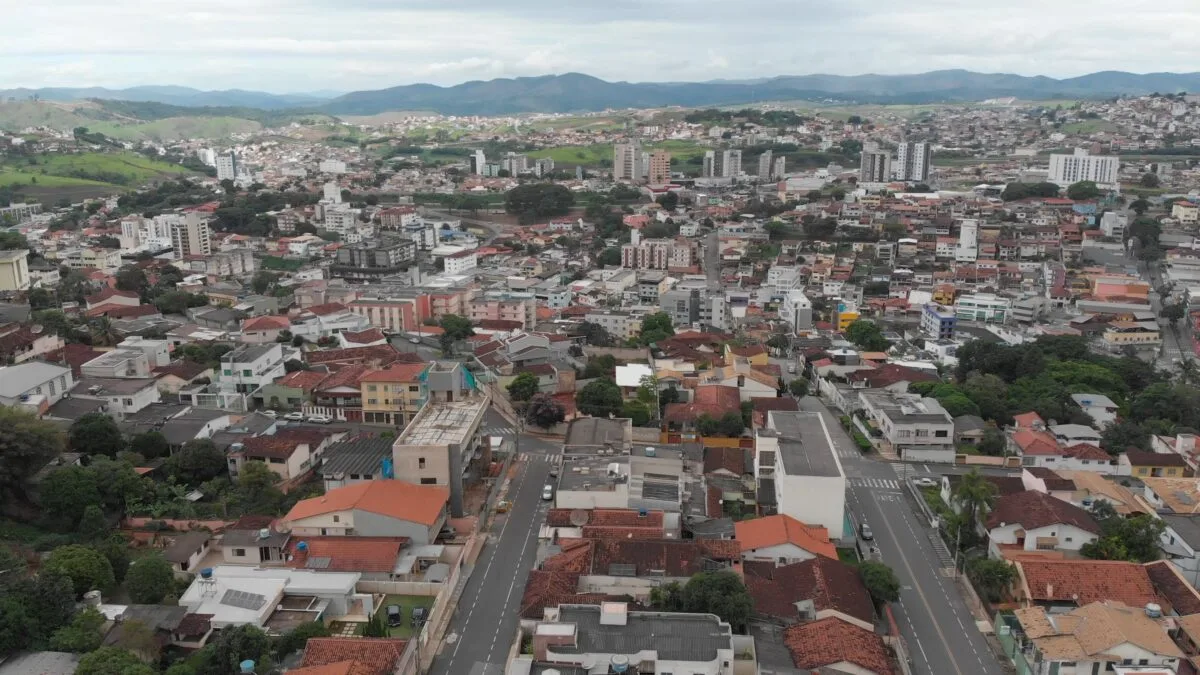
(937, 627)
(486, 618)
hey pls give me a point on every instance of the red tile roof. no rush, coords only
(1033, 509)
(397, 372)
(1085, 581)
(118, 311)
(304, 380)
(604, 518)
(1027, 420)
(282, 444)
(269, 322)
(732, 460)
(377, 355)
(394, 498)
(1170, 584)
(327, 308)
(371, 656)
(364, 336)
(185, 370)
(829, 583)
(107, 293)
(889, 374)
(346, 376)
(347, 554)
(549, 589)
(831, 641)
(1036, 442)
(781, 529)
(713, 399)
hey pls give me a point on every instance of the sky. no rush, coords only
(345, 45)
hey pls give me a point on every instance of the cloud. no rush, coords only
(303, 45)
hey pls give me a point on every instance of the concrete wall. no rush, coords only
(814, 500)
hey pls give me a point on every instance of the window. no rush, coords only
(228, 372)
(428, 481)
(372, 401)
(941, 434)
(420, 462)
(247, 373)
(51, 387)
(129, 402)
(337, 519)
(414, 387)
(239, 552)
(371, 387)
(38, 390)
(922, 433)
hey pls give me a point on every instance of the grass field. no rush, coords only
(175, 128)
(406, 603)
(85, 175)
(1087, 127)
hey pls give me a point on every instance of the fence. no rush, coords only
(425, 588)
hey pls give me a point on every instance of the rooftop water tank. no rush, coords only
(246, 666)
(206, 573)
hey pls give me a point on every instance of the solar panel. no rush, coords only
(243, 600)
(319, 563)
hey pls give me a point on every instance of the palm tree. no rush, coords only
(975, 493)
(1188, 371)
(103, 334)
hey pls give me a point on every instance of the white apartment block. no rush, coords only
(191, 236)
(334, 166)
(227, 166)
(968, 242)
(1100, 169)
(913, 161)
(985, 307)
(627, 161)
(1113, 224)
(619, 324)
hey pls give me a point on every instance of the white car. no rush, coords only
(926, 482)
(269, 413)
(548, 493)
(294, 417)
(415, 341)
(319, 419)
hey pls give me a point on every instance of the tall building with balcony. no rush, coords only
(658, 172)
(627, 161)
(191, 236)
(913, 161)
(394, 395)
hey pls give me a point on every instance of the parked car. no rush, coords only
(415, 341)
(926, 482)
(395, 615)
(294, 417)
(548, 492)
(864, 531)
(319, 419)
(503, 506)
(419, 615)
(269, 413)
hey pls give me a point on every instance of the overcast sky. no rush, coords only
(309, 45)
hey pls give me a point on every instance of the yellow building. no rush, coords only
(844, 315)
(14, 270)
(394, 395)
(756, 355)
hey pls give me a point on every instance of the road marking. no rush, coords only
(926, 467)
(924, 600)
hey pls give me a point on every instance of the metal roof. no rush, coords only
(675, 637)
(362, 456)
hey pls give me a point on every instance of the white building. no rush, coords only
(334, 166)
(985, 307)
(227, 166)
(627, 161)
(34, 382)
(1113, 224)
(875, 167)
(461, 262)
(796, 310)
(913, 161)
(917, 428)
(332, 191)
(1036, 521)
(1100, 169)
(236, 595)
(191, 236)
(250, 367)
(968, 242)
(796, 457)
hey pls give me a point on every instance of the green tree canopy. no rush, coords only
(534, 201)
(86, 567)
(82, 635)
(721, 593)
(150, 445)
(65, 493)
(609, 257)
(600, 398)
(881, 582)
(655, 328)
(96, 434)
(28, 443)
(523, 386)
(798, 387)
(149, 580)
(867, 335)
(1084, 190)
(196, 462)
(112, 661)
(544, 412)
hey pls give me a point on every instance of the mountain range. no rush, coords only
(575, 92)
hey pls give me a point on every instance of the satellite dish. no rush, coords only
(37, 329)
(579, 517)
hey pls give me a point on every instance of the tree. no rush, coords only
(1134, 539)
(722, 593)
(655, 328)
(65, 493)
(600, 398)
(609, 257)
(112, 661)
(295, 639)
(92, 524)
(544, 412)
(731, 424)
(1121, 435)
(798, 387)
(454, 329)
(28, 443)
(131, 278)
(1174, 312)
(1149, 180)
(149, 580)
(974, 494)
(233, 645)
(1139, 206)
(1082, 191)
(96, 434)
(534, 201)
(376, 627)
(115, 549)
(595, 335)
(637, 412)
(991, 576)
(85, 566)
(82, 635)
(178, 302)
(150, 445)
(196, 462)
(604, 365)
(867, 335)
(881, 582)
(262, 281)
(523, 386)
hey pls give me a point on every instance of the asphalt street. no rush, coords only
(486, 617)
(939, 631)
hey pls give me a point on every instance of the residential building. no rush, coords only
(291, 453)
(918, 428)
(1113, 224)
(461, 262)
(1035, 521)
(967, 248)
(875, 167)
(249, 367)
(14, 271)
(375, 261)
(835, 645)
(394, 395)
(397, 217)
(985, 307)
(442, 446)
(781, 539)
(15, 214)
(709, 168)
(815, 589)
(191, 236)
(227, 166)
(1081, 166)
(779, 171)
(798, 472)
(477, 160)
(236, 595)
(913, 161)
(659, 170)
(731, 163)
(355, 460)
(104, 259)
(1098, 637)
(795, 309)
(765, 165)
(579, 636)
(334, 166)
(620, 324)
(627, 161)
(122, 396)
(373, 508)
(938, 321)
(505, 306)
(34, 384)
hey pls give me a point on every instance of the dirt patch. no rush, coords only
(475, 497)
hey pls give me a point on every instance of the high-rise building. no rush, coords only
(627, 161)
(968, 241)
(875, 167)
(780, 169)
(764, 165)
(515, 163)
(731, 163)
(333, 192)
(192, 236)
(1100, 169)
(710, 164)
(227, 166)
(912, 161)
(478, 159)
(659, 169)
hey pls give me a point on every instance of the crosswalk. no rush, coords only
(848, 452)
(497, 431)
(877, 483)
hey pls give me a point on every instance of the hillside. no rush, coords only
(87, 174)
(181, 96)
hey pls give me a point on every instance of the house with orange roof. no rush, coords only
(782, 539)
(356, 656)
(263, 329)
(392, 396)
(375, 508)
